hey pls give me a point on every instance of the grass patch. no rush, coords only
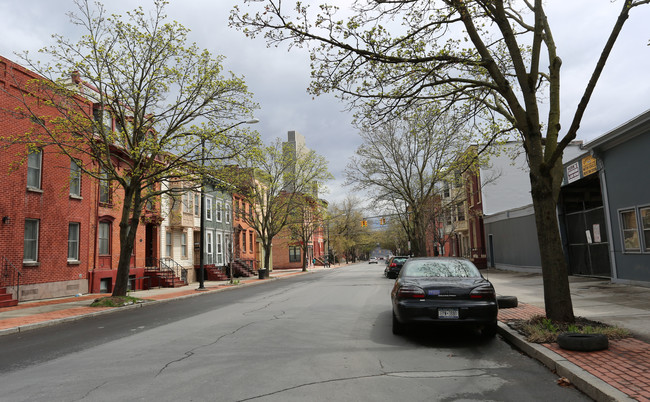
(540, 329)
(116, 301)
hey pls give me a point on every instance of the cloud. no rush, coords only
(279, 78)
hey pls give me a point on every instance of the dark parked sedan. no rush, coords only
(443, 290)
(394, 265)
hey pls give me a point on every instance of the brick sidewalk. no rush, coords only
(67, 307)
(625, 365)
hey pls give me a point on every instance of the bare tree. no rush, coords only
(347, 236)
(402, 163)
(498, 57)
(276, 181)
(306, 219)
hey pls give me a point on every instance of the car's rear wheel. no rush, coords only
(398, 327)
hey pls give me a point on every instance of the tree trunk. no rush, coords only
(127, 239)
(267, 255)
(418, 237)
(128, 229)
(557, 294)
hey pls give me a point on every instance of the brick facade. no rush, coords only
(53, 206)
(245, 245)
(50, 204)
(103, 271)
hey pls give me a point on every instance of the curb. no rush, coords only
(587, 383)
(42, 324)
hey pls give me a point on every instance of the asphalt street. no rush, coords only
(322, 337)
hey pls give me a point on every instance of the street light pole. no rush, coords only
(202, 224)
(202, 239)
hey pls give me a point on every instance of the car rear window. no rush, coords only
(440, 269)
(399, 260)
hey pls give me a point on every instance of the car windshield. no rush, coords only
(399, 260)
(440, 269)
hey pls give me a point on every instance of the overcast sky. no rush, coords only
(279, 78)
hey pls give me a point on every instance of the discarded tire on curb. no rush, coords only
(507, 301)
(582, 342)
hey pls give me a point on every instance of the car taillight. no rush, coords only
(393, 265)
(410, 292)
(483, 293)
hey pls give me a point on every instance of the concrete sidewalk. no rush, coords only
(619, 373)
(34, 314)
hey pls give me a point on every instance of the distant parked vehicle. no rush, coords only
(443, 291)
(394, 265)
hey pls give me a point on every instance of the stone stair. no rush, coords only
(241, 269)
(6, 299)
(165, 279)
(216, 274)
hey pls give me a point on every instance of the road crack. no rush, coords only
(404, 374)
(191, 352)
(90, 391)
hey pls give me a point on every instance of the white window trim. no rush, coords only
(169, 244)
(209, 250)
(219, 244)
(75, 175)
(74, 258)
(228, 212)
(36, 240)
(184, 245)
(186, 202)
(110, 227)
(104, 183)
(219, 211)
(39, 169)
(208, 208)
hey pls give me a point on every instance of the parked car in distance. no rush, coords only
(372, 260)
(443, 291)
(394, 265)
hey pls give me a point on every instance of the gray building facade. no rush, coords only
(624, 172)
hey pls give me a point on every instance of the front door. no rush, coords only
(104, 245)
(151, 249)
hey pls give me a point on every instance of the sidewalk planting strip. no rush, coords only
(627, 361)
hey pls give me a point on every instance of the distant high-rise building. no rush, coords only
(295, 147)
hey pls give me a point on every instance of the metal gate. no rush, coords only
(588, 245)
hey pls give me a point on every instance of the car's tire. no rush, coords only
(507, 301)
(398, 327)
(582, 342)
(489, 330)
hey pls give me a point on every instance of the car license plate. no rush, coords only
(447, 313)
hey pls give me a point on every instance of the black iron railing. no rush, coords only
(168, 266)
(176, 268)
(10, 277)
